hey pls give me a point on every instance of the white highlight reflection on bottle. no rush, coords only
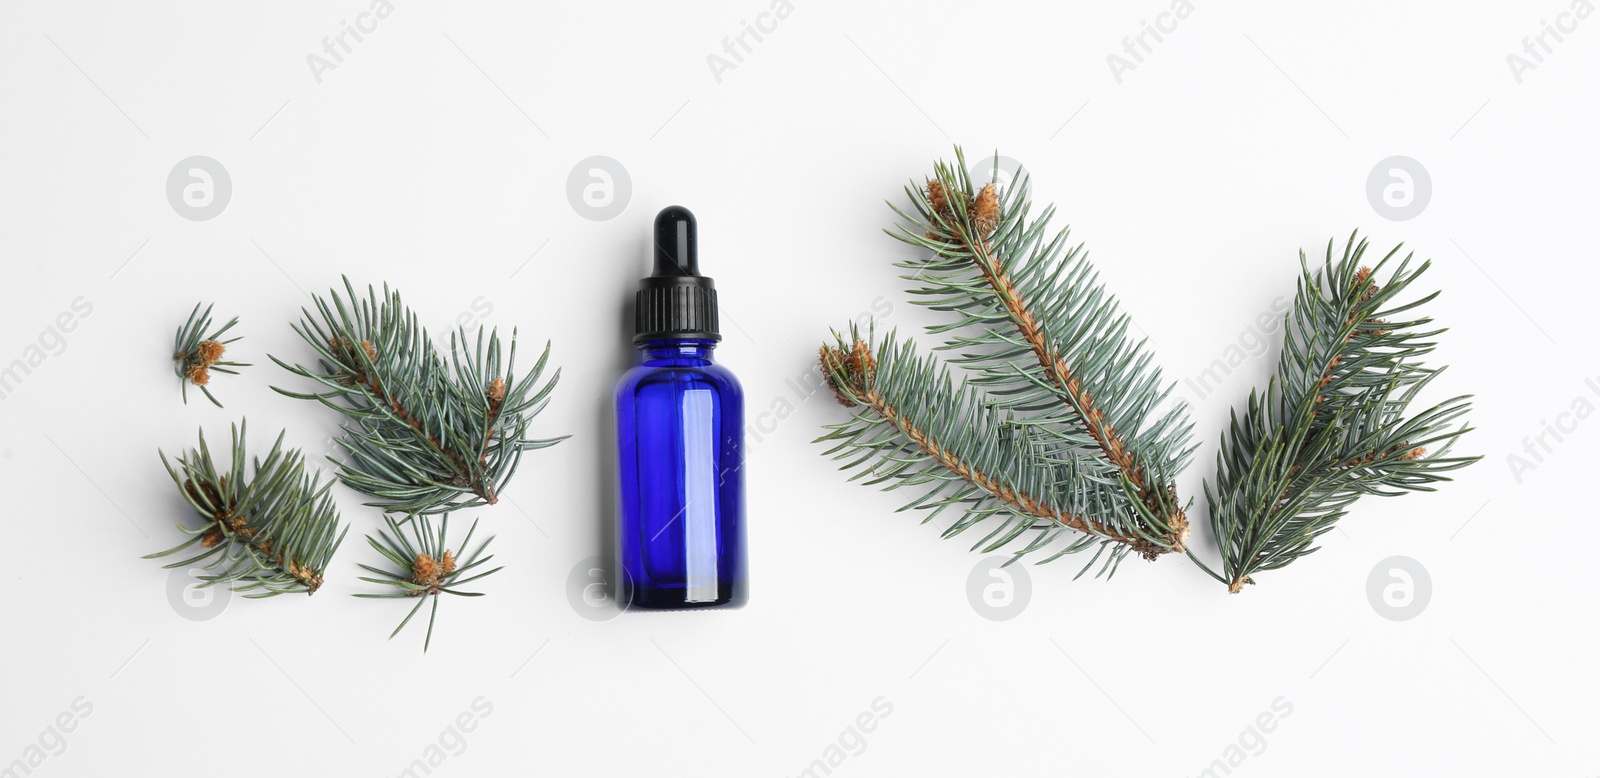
(700, 497)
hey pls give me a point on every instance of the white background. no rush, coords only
(435, 157)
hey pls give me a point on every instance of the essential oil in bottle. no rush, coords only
(680, 439)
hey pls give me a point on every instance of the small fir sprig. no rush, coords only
(424, 566)
(424, 435)
(1331, 425)
(196, 354)
(268, 531)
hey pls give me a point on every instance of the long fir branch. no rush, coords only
(1050, 340)
(1050, 354)
(918, 426)
(976, 229)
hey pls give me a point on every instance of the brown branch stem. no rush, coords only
(224, 522)
(1018, 500)
(1361, 290)
(376, 389)
(1105, 434)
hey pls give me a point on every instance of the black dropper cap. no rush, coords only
(675, 301)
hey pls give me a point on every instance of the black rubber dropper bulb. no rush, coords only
(675, 301)
(677, 242)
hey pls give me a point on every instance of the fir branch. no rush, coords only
(424, 435)
(1050, 358)
(424, 566)
(1049, 341)
(270, 532)
(1061, 426)
(917, 426)
(1331, 425)
(196, 354)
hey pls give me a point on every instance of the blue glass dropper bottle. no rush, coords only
(680, 439)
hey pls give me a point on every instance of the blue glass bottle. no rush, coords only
(680, 437)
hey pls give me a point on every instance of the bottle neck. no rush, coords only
(677, 350)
